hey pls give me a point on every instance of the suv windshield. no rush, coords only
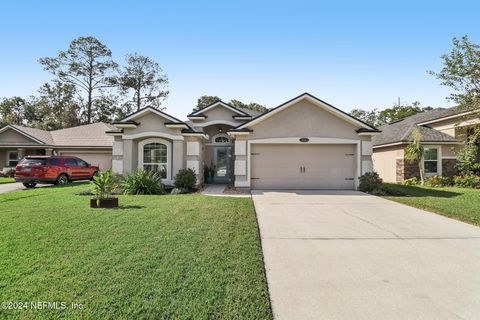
(38, 161)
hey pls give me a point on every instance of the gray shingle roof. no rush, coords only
(38, 134)
(91, 135)
(253, 113)
(400, 131)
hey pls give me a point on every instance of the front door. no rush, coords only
(221, 162)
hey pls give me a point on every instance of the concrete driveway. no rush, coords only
(7, 187)
(347, 255)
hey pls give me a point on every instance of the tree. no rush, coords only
(414, 151)
(398, 112)
(108, 109)
(368, 116)
(205, 101)
(251, 106)
(145, 79)
(12, 110)
(87, 65)
(58, 106)
(467, 158)
(461, 72)
(388, 115)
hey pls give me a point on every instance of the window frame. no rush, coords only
(10, 160)
(439, 160)
(168, 164)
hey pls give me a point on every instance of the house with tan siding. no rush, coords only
(443, 132)
(304, 143)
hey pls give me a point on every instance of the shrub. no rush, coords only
(185, 179)
(438, 181)
(467, 163)
(179, 191)
(369, 182)
(410, 182)
(9, 173)
(467, 181)
(389, 190)
(143, 182)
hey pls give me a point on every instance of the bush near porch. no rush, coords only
(156, 257)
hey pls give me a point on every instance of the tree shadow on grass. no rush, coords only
(394, 190)
(129, 207)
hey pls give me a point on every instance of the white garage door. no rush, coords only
(102, 160)
(293, 166)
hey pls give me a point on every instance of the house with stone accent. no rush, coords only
(304, 143)
(443, 131)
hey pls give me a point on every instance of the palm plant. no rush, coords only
(103, 185)
(414, 151)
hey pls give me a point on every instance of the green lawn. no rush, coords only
(156, 257)
(459, 203)
(6, 180)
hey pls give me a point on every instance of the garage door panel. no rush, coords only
(278, 166)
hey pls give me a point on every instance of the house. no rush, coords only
(443, 131)
(88, 142)
(305, 143)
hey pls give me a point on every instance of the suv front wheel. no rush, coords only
(95, 174)
(62, 179)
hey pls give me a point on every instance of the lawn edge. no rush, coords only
(429, 210)
(264, 269)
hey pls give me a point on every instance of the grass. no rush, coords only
(6, 180)
(458, 203)
(156, 257)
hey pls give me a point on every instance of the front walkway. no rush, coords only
(348, 255)
(219, 190)
(214, 189)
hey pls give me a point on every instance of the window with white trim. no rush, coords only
(430, 161)
(155, 158)
(12, 158)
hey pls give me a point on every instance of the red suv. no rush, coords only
(52, 169)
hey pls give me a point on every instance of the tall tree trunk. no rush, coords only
(90, 91)
(138, 99)
(89, 107)
(420, 168)
(139, 88)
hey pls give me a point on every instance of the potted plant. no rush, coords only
(102, 189)
(208, 173)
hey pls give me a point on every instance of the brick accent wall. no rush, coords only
(448, 167)
(406, 170)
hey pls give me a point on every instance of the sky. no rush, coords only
(352, 54)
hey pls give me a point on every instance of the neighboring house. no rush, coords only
(305, 143)
(88, 142)
(442, 132)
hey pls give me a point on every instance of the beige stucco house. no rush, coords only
(88, 142)
(305, 143)
(443, 131)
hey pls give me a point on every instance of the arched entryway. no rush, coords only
(219, 153)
